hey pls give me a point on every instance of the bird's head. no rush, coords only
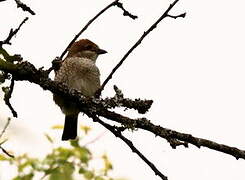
(86, 49)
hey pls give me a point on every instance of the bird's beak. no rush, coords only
(101, 51)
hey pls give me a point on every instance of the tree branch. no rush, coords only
(7, 95)
(114, 3)
(12, 33)
(177, 16)
(142, 106)
(26, 71)
(24, 7)
(125, 12)
(143, 123)
(153, 26)
(117, 132)
(5, 127)
(99, 107)
(3, 131)
(6, 152)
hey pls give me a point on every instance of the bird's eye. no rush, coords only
(89, 47)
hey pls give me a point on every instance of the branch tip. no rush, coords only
(24, 7)
(86, 26)
(177, 16)
(118, 134)
(125, 12)
(12, 33)
(153, 26)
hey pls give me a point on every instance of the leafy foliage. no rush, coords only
(62, 163)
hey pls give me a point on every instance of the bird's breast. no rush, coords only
(81, 74)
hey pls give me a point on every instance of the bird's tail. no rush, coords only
(70, 127)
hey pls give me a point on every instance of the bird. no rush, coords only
(78, 71)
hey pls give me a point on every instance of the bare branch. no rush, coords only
(177, 16)
(3, 131)
(5, 127)
(6, 152)
(118, 134)
(142, 106)
(27, 71)
(7, 95)
(167, 134)
(125, 12)
(99, 107)
(12, 33)
(10, 58)
(95, 139)
(153, 26)
(56, 63)
(24, 7)
(114, 3)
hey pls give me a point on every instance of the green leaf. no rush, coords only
(61, 164)
(63, 172)
(63, 153)
(50, 171)
(57, 127)
(68, 169)
(74, 143)
(22, 166)
(17, 178)
(27, 162)
(3, 158)
(83, 154)
(25, 177)
(107, 164)
(81, 170)
(88, 175)
(99, 178)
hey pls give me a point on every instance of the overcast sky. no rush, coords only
(193, 69)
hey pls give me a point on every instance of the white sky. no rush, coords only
(193, 69)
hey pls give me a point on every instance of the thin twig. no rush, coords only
(5, 127)
(142, 106)
(86, 26)
(12, 33)
(6, 152)
(7, 96)
(57, 61)
(114, 3)
(95, 139)
(2, 132)
(125, 12)
(118, 133)
(153, 26)
(24, 7)
(177, 16)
